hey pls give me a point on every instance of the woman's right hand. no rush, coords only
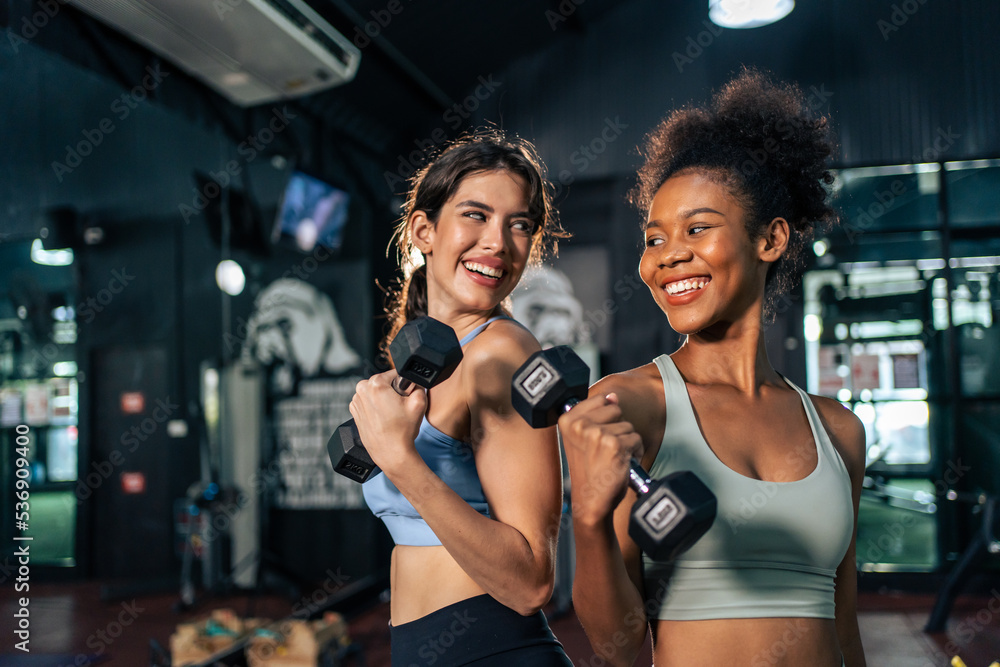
(387, 422)
(598, 444)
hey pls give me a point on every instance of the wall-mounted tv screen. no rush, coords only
(313, 212)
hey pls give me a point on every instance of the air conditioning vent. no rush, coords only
(296, 16)
(250, 51)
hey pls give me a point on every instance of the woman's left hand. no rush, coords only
(387, 422)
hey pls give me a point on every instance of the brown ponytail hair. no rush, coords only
(434, 184)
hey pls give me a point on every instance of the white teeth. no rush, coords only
(485, 270)
(685, 285)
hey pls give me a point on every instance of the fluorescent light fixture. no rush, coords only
(813, 327)
(63, 314)
(884, 329)
(39, 255)
(848, 175)
(930, 264)
(967, 262)
(971, 164)
(64, 369)
(229, 277)
(748, 13)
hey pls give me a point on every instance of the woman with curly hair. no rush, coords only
(470, 492)
(731, 192)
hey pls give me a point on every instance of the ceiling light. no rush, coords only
(66, 369)
(39, 255)
(748, 13)
(230, 278)
(813, 327)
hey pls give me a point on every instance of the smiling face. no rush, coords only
(699, 261)
(478, 248)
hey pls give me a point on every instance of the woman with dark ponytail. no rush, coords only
(730, 193)
(470, 493)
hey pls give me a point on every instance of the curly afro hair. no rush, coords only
(761, 140)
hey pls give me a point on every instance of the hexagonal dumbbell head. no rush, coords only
(425, 351)
(670, 518)
(547, 384)
(348, 455)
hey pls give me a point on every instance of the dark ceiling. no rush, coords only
(425, 56)
(567, 66)
(428, 55)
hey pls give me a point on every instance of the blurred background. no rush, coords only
(196, 200)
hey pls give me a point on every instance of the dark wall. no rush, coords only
(888, 90)
(152, 287)
(901, 87)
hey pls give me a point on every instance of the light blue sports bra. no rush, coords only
(452, 460)
(774, 548)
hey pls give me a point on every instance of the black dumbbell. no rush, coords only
(424, 352)
(671, 513)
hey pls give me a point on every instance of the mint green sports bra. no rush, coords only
(774, 548)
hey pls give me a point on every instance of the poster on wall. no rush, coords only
(36, 404)
(296, 333)
(10, 406)
(865, 372)
(906, 371)
(832, 370)
(546, 304)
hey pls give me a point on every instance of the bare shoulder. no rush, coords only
(490, 359)
(846, 431)
(631, 385)
(504, 339)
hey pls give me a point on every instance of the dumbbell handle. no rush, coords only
(638, 478)
(401, 385)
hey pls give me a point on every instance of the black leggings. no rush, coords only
(477, 631)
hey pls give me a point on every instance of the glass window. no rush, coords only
(874, 199)
(973, 193)
(975, 301)
(871, 327)
(897, 526)
(885, 285)
(39, 393)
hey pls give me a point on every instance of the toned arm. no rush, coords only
(608, 588)
(510, 555)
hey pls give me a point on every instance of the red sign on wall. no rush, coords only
(864, 372)
(133, 402)
(133, 482)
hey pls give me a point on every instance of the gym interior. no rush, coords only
(177, 346)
